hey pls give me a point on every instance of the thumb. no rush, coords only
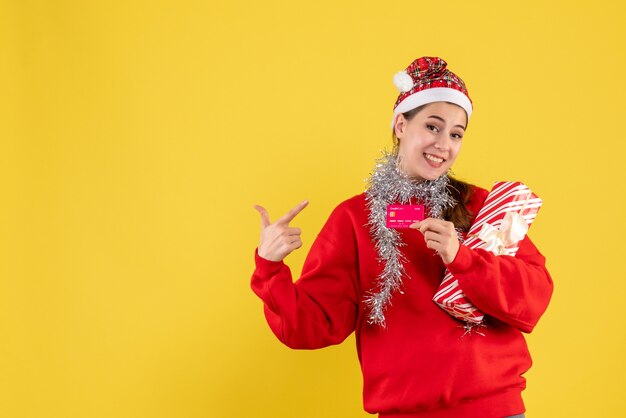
(265, 217)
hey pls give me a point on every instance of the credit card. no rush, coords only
(402, 216)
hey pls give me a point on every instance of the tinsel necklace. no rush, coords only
(389, 185)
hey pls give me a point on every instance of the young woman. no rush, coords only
(363, 277)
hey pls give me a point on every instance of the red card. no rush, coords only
(402, 216)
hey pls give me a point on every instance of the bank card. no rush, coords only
(402, 216)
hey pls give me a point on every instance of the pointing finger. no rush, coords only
(288, 217)
(265, 217)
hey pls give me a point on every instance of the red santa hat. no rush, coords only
(427, 80)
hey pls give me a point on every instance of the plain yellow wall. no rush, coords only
(137, 135)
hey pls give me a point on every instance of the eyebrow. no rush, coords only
(441, 119)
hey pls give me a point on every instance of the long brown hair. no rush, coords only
(459, 215)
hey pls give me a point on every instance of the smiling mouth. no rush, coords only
(434, 158)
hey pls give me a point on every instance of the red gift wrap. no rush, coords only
(502, 222)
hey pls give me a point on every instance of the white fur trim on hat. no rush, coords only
(431, 95)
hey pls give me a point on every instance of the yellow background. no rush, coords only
(137, 135)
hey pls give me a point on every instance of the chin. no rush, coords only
(430, 176)
(427, 174)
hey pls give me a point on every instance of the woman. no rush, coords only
(379, 282)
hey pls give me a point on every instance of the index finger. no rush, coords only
(288, 217)
(433, 224)
(423, 225)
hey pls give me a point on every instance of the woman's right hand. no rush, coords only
(278, 239)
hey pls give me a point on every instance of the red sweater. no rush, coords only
(421, 365)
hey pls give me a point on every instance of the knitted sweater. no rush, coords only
(422, 364)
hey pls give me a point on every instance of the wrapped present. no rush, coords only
(500, 225)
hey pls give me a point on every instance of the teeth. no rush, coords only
(433, 158)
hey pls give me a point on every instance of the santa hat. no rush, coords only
(427, 80)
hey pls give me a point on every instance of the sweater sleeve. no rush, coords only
(515, 290)
(320, 308)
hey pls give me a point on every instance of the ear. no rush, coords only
(400, 125)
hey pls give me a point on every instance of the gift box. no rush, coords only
(500, 225)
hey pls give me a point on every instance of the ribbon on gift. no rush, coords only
(512, 230)
(502, 222)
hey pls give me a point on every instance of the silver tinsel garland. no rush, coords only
(388, 185)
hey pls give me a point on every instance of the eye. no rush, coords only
(432, 128)
(456, 136)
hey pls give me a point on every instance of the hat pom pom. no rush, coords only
(403, 81)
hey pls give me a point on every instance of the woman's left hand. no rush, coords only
(440, 236)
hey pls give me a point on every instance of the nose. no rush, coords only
(442, 143)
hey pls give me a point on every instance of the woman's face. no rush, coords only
(430, 142)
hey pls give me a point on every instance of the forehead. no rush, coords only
(450, 112)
